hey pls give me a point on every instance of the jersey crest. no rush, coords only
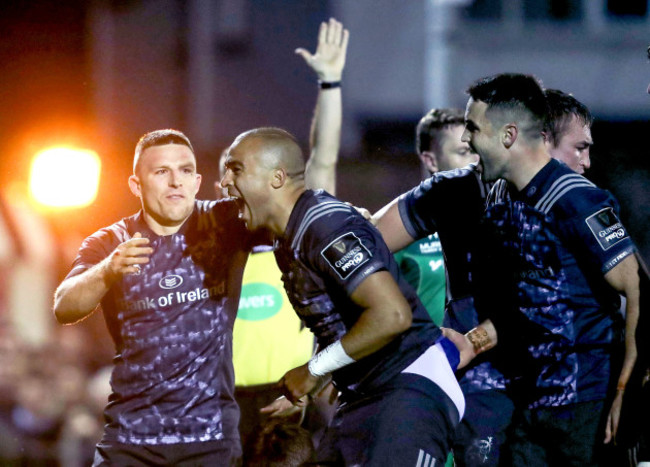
(606, 227)
(346, 254)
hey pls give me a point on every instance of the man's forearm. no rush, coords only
(624, 278)
(389, 222)
(631, 320)
(328, 62)
(325, 138)
(386, 315)
(78, 296)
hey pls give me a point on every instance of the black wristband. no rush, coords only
(329, 84)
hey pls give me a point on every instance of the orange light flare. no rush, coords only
(64, 177)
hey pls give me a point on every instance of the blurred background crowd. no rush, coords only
(95, 75)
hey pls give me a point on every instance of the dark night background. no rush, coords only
(100, 73)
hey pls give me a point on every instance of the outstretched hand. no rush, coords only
(329, 59)
(283, 407)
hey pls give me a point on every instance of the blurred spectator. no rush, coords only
(84, 422)
(39, 410)
(12, 366)
(50, 406)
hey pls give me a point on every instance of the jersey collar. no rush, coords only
(532, 192)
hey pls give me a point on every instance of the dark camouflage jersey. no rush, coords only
(328, 249)
(552, 243)
(173, 378)
(452, 203)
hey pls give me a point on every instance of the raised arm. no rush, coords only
(624, 278)
(328, 62)
(78, 296)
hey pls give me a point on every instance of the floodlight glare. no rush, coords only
(65, 177)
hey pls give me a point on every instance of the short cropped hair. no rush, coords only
(517, 95)
(562, 107)
(268, 132)
(427, 133)
(159, 138)
(280, 145)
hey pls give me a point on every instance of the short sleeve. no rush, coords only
(595, 231)
(440, 198)
(349, 254)
(93, 250)
(415, 207)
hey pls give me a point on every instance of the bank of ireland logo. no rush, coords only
(170, 282)
(259, 301)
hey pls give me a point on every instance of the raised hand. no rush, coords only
(329, 59)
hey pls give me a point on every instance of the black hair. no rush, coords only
(515, 94)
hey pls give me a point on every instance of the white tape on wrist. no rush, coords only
(330, 359)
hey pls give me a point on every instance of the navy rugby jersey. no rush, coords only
(327, 250)
(452, 203)
(557, 238)
(173, 378)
